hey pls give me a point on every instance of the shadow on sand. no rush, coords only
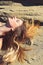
(23, 2)
(29, 2)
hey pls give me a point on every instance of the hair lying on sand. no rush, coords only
(12, 41)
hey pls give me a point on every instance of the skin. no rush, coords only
(12, 23)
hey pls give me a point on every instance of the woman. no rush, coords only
(12, 23)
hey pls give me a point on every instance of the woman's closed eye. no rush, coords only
(17, 20)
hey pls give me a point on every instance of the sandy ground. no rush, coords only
(35, 56)
(17, 9)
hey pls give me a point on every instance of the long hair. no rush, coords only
(12, 43)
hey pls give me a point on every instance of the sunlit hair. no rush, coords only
(13, 39)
